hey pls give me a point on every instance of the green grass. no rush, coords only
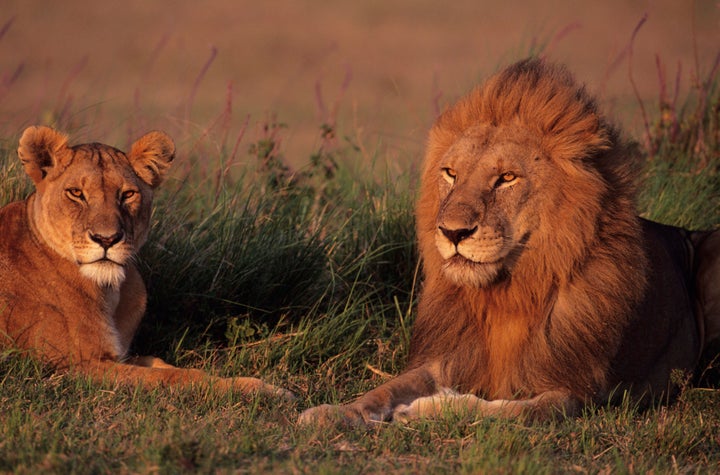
(309, 281)
(59, 424)
(681, 180)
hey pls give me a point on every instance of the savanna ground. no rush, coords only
(283, 245)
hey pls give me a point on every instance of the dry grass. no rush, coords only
(109, 71)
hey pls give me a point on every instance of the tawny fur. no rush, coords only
(70, 293)
(543, 290)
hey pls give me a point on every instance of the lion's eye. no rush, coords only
(506, 178)
(127, 195)
(75, 193)
(449, 174)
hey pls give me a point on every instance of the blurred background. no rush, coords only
(376, 71)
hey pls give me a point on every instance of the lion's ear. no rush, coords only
(42, 148)
(150, 157)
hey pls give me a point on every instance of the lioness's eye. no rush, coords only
(75, 193)
(127, 194)
(449, 174)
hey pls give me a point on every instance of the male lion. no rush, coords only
(543, 291)
(69, 290)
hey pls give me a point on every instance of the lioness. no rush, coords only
(543, 291)
(69, 290)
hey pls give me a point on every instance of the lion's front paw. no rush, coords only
(418, 409)
(443, 404)
(428, 407)
(404, 413)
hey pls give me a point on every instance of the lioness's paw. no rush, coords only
(273, 390)
(327, 415)
(255, 385)
(323, 415)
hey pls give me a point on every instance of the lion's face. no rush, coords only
(93, 202)
(486, 216)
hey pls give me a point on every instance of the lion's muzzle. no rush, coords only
(473, 255)
(479, 244)
(457, 235)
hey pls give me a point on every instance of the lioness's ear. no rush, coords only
(150, 157)
(41, 148)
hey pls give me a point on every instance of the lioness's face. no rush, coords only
(93, 202)
(485, 218)
(96, 212)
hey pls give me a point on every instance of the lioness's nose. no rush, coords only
(107, 241)
(457, 235)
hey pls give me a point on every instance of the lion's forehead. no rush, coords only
(495, 148)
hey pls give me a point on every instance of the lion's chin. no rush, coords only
(104, 273)
(466, 273)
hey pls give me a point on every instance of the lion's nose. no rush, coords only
(457, 235)
(107, 241)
